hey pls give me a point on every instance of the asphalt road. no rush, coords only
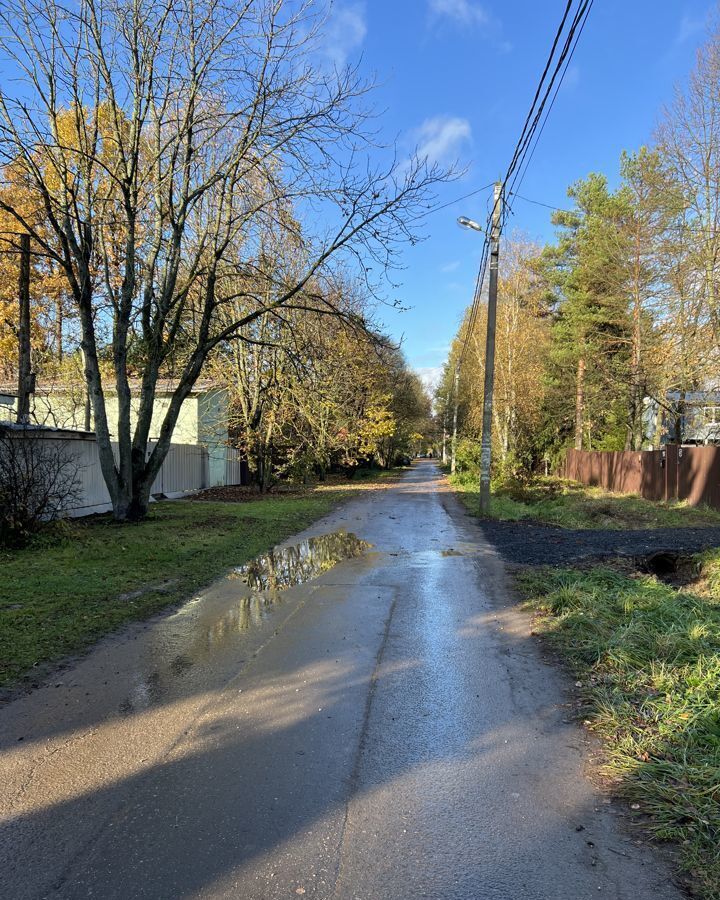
(385, 731)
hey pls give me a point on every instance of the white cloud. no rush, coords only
(451, 266)
(440, 139)
(465, 12)
(345, 31)
(430, 377)
(689, 27)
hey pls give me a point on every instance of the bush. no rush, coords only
(467, 458)
(38, 480)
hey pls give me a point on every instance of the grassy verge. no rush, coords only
(573, 505)
(94, 575)
(648, 658)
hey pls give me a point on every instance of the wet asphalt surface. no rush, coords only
(534, 544)
(386, 730)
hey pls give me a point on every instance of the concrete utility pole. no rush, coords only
(486, 444)
(25, 377)
(453, 445)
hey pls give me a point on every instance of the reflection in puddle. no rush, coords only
(286, 567)
(206, 634)
(247, 613)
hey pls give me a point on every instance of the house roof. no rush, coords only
(34, 428)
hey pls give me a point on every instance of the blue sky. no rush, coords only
(457, 77)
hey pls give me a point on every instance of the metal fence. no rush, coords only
(673, 473)
(186, 469)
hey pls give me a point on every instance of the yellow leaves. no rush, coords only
(377, 424)
(87, 150)
(48, 286)
(522, 340)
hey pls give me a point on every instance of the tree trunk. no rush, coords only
(580, 403)
(118, 488)
(444, 438)
(138, 507)
(679, 416)
(657, 439)
(633, 439)
(59, 329)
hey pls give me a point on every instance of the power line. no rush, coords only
(540, 84)
(689, 228)
(563, 63)
(477, 294)
(523, 173)
(540, 203)
(474, 193)
(530, 136)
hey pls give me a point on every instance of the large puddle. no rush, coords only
(286, 567)
(197, 633)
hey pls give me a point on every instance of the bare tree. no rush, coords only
(689, 141)
(162, 140)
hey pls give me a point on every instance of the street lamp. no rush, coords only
(464, 222)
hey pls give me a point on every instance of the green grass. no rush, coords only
(648, 657)
(95, 575)
(573, 505)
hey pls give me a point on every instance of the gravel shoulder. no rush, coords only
(535, 544)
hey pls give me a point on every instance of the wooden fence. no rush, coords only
(673, 473)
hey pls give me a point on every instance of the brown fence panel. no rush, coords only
(628, 473)
(652, 484)
(684, 473)
(699, 475)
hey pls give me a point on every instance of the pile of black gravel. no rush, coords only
(534, 544)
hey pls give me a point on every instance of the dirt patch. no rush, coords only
(241, 493)
(532, 544)
(375, 480)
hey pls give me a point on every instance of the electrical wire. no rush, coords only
(434, 209)
(517, 184)
(539, 203)
(562, 64)
(524, 143)
(541, 82)
(687, 228)
(530, 135)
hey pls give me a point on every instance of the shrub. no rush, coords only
(38, 480)
(467, 457)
